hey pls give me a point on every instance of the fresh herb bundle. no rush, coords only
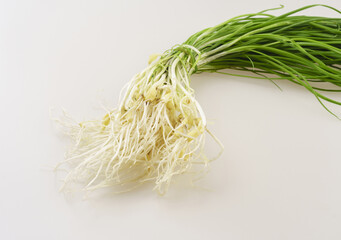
(158, 130)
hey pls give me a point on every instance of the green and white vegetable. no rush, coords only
(157, 132)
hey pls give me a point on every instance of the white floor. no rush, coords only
(279, 177)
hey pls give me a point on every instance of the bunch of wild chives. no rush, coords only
(158, 130)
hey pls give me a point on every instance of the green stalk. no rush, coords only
(302, 49)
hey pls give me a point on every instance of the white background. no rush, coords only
(279, 177)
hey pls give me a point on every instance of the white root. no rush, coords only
(155, 134)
